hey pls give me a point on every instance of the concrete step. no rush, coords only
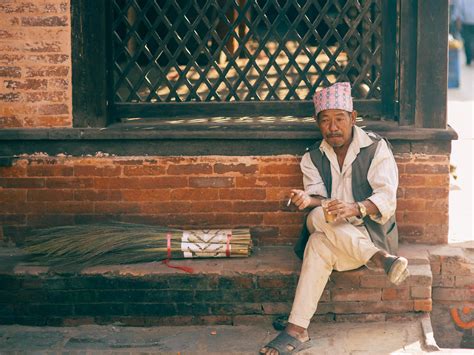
(219, 291)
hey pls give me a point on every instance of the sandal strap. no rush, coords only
(282, 341)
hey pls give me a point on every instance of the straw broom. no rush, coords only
(124, 243)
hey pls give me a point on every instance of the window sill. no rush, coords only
(194, 137)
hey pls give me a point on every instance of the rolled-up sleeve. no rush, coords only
(312, 181)
(383, 178)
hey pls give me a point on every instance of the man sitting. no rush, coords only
(357, 171)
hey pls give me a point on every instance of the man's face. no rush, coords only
(336, 126)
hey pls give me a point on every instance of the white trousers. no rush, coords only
(337, 246)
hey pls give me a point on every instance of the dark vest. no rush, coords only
(383, 236)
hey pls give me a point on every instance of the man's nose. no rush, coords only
(333, 126)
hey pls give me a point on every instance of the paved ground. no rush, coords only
(394, 337)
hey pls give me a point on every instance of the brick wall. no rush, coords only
(35, 62)
(208, 191)
(453, 292)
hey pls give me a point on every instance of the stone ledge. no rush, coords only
(217, 291)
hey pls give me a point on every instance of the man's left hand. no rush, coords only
(343, 209)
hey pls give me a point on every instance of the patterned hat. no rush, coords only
(337, 96)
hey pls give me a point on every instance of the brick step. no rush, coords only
(218, 292)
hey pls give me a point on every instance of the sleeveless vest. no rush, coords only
(384, 236)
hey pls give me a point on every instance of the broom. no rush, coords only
(125, 243)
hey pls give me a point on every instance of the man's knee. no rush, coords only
(316, 247)
(315, 220)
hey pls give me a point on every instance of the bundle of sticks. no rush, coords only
(125, 243)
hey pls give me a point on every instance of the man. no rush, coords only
(463, 12)
(358, 172)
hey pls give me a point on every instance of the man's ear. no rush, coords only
(353, 117)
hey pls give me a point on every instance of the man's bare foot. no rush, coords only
(293, 330)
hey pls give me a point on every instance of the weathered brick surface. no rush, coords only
(208, 191)
(244, 289)
(35, 64)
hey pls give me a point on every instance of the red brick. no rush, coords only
(146, 195)
(374, 307)
(91, 170)
(262, 232)
(211, 181)
(235, 168)
(374, 281)
(46, 96)
(140, 182)
(453, 294)
(255, 206)
(431, 158)
(45, 21)
(420, 168)
(67, 207)
(261, 181)
(427, 217)
(444, 281)
(116, 207)
(293, 182)
(69, 182)
(242, 194)
(50, 220)
(211, 206)
(10, 122)
(437, 180)
(195, 194)
(345, 279)
(165, 207)
(412, 180)
(465, 281)
(275, 282)
(411, 230)
(143, 170)
(97, 195)
(280, 169)
(12, 195)
(355, 294)
(421, 292)
(427, 193)
(47, 71)
(284, 218)
(290, 232)
(17, 170)
(189, 169)
(276, 308)
(435, 268)
(10, 72)
(10, 97)
(453, 266)
(22, 182)
(245, 219)
(50, 195)
(49, 170)
(51, 59)
(9, 58)
(58, 84)
(393, 294)
(28, 84)
(411, 205)
(422, 305)
(53, 109)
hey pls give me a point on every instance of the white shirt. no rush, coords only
(382, 176)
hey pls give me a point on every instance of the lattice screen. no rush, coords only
(262, 50)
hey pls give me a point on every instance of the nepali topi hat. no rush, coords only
(336, 96)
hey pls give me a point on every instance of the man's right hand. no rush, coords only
(300, 199)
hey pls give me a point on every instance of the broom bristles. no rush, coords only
(123, 243)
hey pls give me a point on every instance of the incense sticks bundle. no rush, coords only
(124, 243)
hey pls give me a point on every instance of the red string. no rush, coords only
(183, 268)
(227, 248)
(167, 261)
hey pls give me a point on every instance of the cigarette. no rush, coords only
(289, 202)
